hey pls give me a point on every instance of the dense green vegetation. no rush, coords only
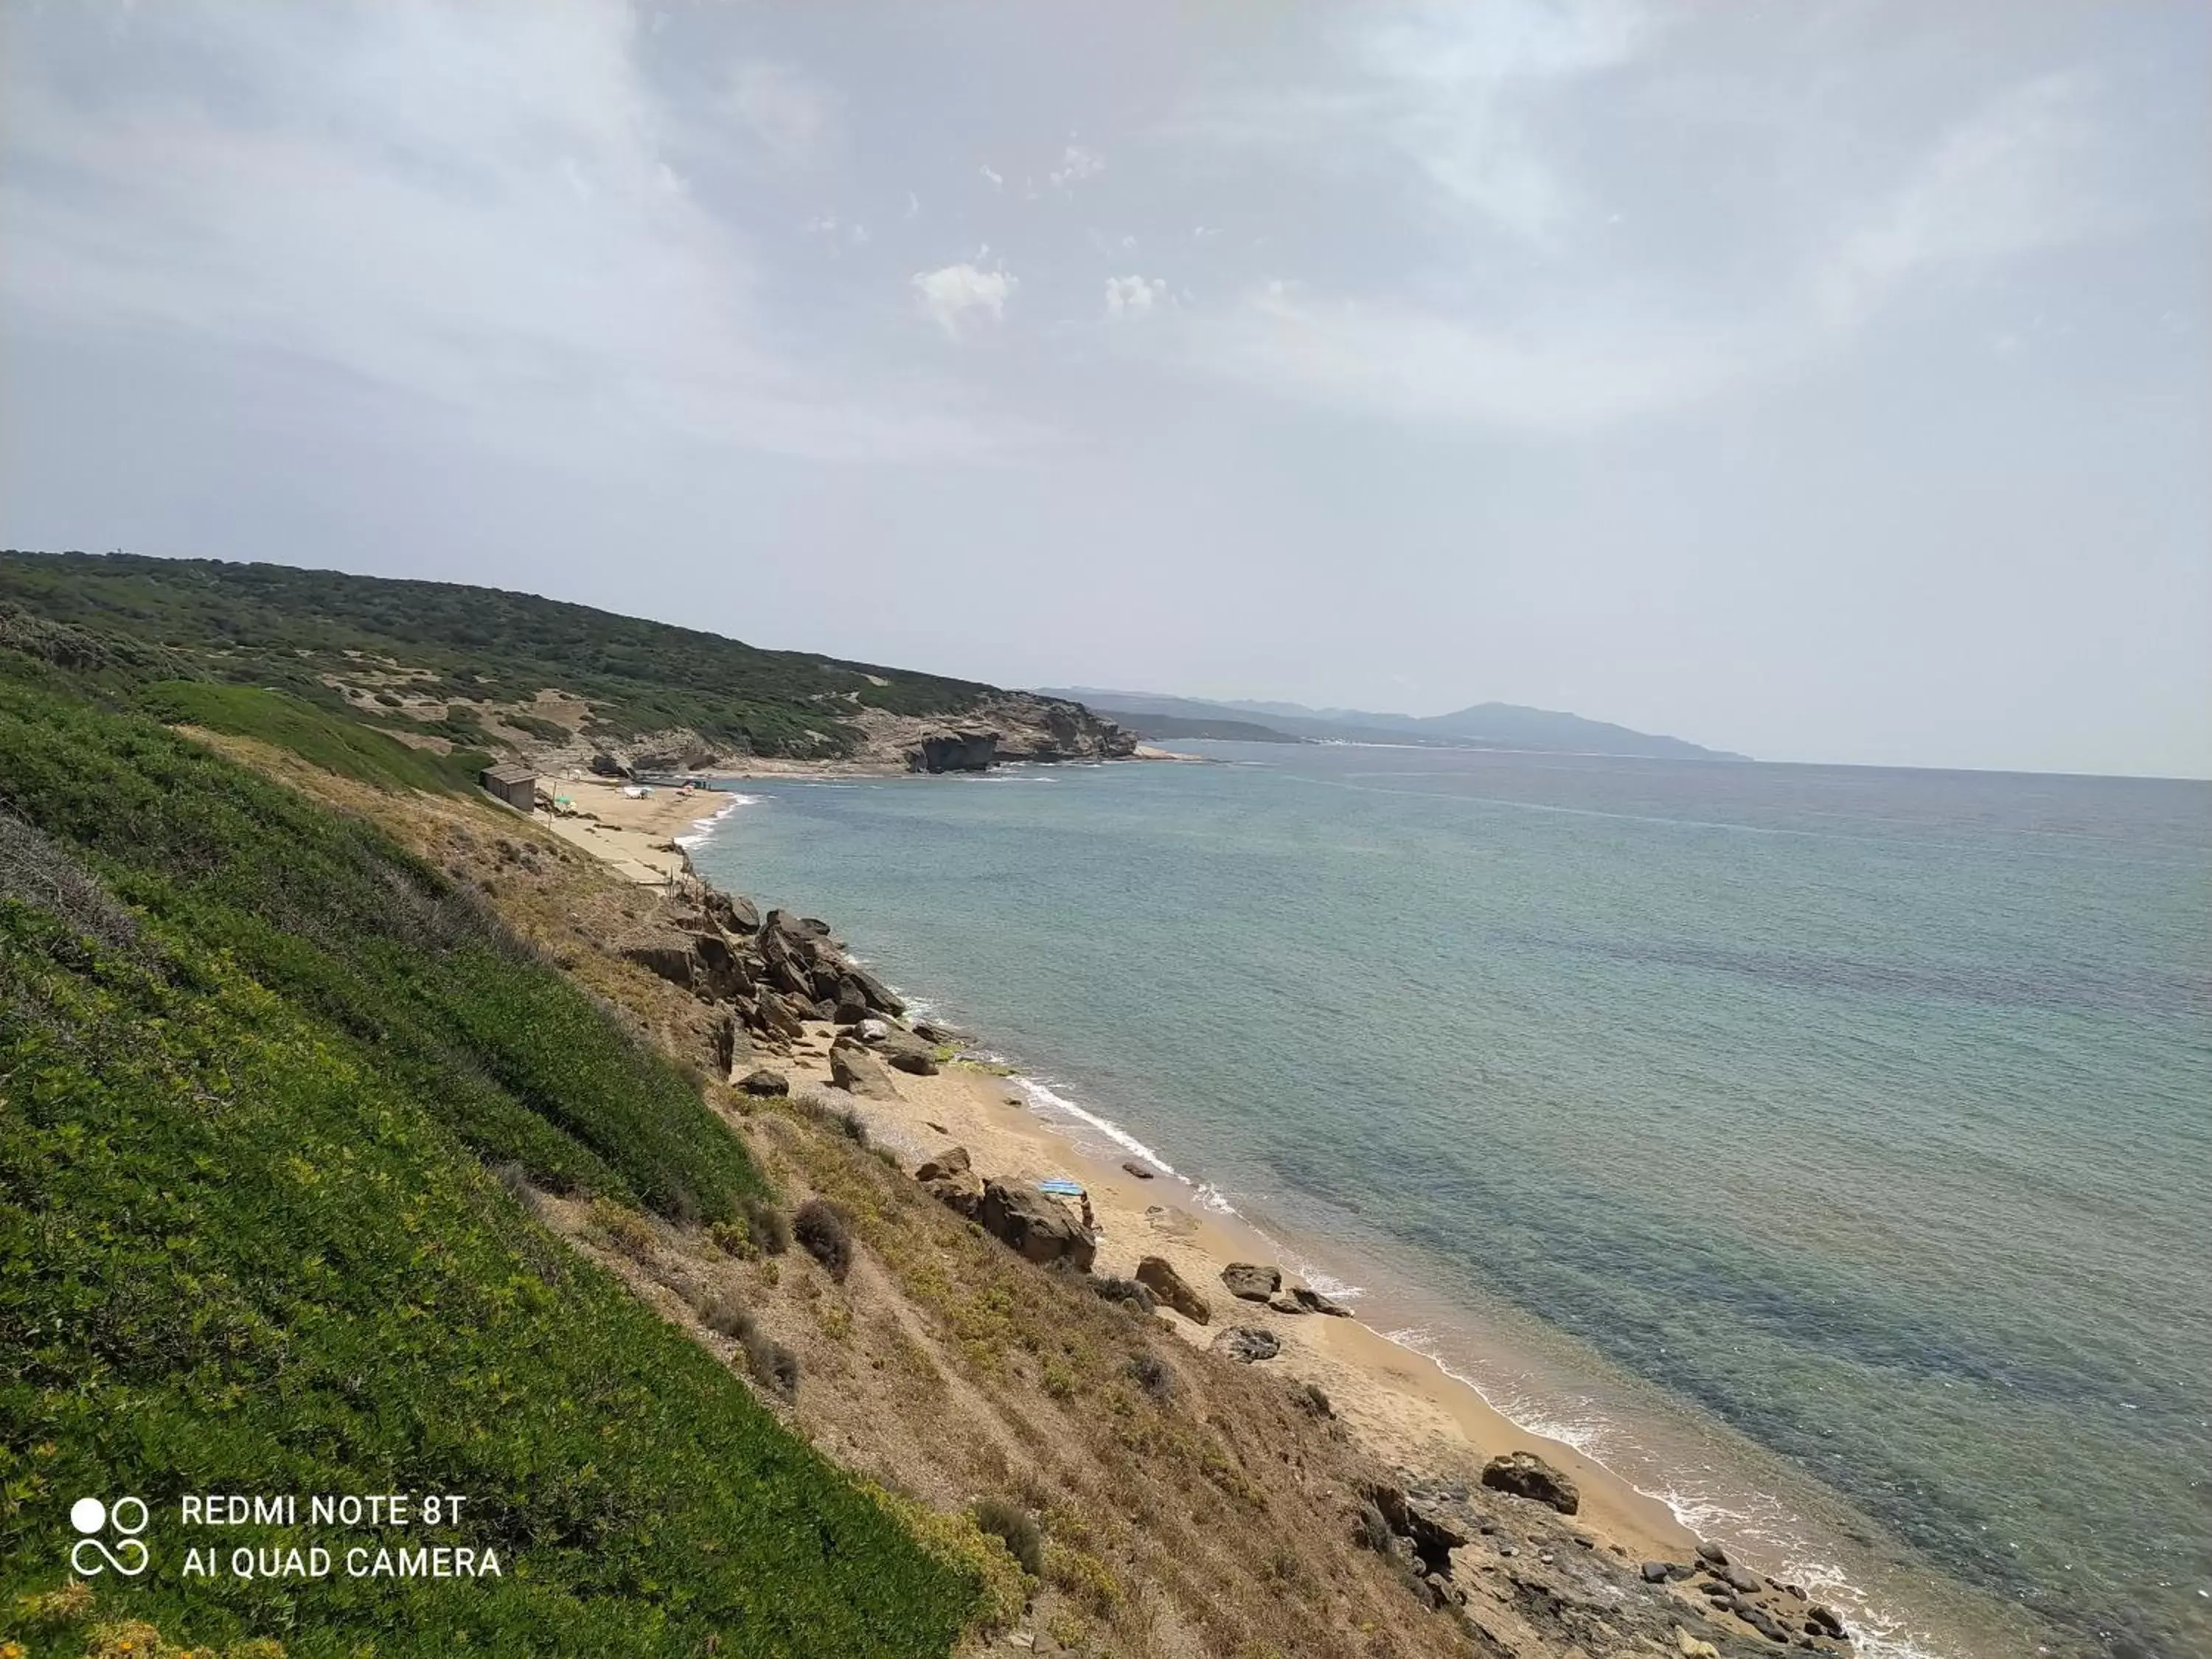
(254, 1060)
(285, 630)
(331, 741)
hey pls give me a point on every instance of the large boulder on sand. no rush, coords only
(1312, 1301)
(902, 1049)
(857, 1072)
(1250, 1281)
(1158, 1274)
(1030, 1222)
(1524, 1474)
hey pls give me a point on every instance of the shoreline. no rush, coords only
(1399, 1398)
(1402, 1404)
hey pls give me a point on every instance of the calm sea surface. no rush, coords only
(1828, 1149)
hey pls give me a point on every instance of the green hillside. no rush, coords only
(472, 648)
(258, 1066)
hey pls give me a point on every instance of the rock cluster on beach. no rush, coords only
(768, 976)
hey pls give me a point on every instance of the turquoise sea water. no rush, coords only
(1829, 1149)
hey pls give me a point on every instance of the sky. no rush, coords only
(1822, 381)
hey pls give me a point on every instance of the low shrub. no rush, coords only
(766, 1225)
(625, 1229)
(772, 1364)
(822, 1231)
(725, 1317)
(1127, 1292)
(1086, 1578)
(1150, 1373)
(1013, 1525)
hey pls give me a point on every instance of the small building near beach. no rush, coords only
(515, 784)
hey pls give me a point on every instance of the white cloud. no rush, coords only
(786, 109)
(997, 181)
(913, 207)
(1076, 165)
(2018, 174)
(1133, 296)
(2015, 176)
(1404, 361)
(497, 244)
(953, 294)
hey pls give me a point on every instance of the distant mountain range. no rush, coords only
(1484, 725)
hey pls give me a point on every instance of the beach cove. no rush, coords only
(929, 899)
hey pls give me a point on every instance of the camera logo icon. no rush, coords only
(125, 1518)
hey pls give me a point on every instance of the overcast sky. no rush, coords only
(1823, 381)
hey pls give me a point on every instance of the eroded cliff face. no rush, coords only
(1007, 726)
(1004, 726)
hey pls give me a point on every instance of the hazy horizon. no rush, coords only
(1825, 382)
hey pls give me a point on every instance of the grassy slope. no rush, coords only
(275, 627)
(247, 1241)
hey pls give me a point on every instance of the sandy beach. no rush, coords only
(635, 834)
(1403, 1407)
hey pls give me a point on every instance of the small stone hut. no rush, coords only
(515, 784)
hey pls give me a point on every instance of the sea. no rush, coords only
(1827, 1150)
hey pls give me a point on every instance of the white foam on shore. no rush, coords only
(703, 828)
(1042, 1096)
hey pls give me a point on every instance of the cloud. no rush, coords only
(1401, 361)
(953, 294)
(501, 245)
(2022, 173)
(1453, 97)
(1133, 296)
(1076, 165)
(997, 180)
(796, 118)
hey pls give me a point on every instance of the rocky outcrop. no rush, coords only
(1524, 1474)
(1031, 1222)
(733, 1049)
(948, 1178)
(733, 912)
(1251, 1282)
(858, 1071)
(1158, 1274)
(998, 727)
(954, 752)
(1312, 1301)
(765, 1083)
(1433, 1537)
